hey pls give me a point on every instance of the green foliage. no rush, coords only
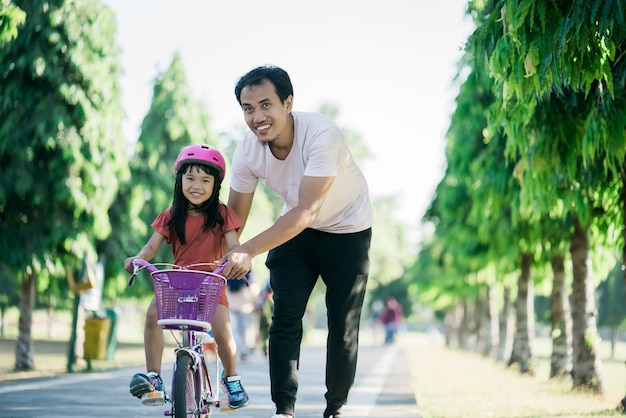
(560, 59)
(62, 153)
(610, 295)
(537, 137)
(9, 292)
(477, 236)
(11, 17)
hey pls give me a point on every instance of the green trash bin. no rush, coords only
(112, 338)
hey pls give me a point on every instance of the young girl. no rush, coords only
(197, 227)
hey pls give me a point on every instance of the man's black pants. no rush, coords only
(342, 261)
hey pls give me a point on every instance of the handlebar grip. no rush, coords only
(139, 264)
(220, 269)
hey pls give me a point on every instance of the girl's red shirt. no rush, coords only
(200, 246)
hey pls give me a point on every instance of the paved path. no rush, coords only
(383, 389)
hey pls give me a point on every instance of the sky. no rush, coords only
(388, 67)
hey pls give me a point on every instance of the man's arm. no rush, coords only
(313, 191)
(241, 204)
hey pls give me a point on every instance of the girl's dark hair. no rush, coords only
(180, 204)
(276, 75)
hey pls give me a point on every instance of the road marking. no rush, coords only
(364, 394)
(9, 386)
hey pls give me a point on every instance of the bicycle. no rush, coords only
(186, 302)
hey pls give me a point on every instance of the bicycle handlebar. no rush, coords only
(140, 264)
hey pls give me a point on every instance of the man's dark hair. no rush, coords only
(277, 76)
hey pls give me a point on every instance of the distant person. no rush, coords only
(196, 226)
(376, 309)
(324, 230)
(392, 319)
(265, 309)
(242, 301)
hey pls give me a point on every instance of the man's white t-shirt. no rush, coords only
(319, 150)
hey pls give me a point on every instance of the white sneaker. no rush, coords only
(282, 416)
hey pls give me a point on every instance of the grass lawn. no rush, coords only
(453, 383)
(52, 334)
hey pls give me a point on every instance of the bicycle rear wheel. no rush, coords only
(187, 397)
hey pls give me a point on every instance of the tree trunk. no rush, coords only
(622, 404)
(51, 310)
(490, 323)
(2, 312)
(480, 322)
(614, 340)
(505, 325)
(587, 367)
(623, 203)
(452, 323)
(561, 321)
(448, 328)
(524, 319)
(25, 346)
(465, 326)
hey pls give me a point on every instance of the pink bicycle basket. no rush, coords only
(187, 294)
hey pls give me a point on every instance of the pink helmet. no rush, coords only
(202, 154)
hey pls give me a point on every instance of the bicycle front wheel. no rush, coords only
(187, 397)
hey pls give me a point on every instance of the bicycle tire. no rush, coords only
(186, 394)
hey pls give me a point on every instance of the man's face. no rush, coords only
(265, 115)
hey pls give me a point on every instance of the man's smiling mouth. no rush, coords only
(262, 128)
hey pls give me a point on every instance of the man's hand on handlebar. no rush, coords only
(238, 264)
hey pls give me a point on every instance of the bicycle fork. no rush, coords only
(202, 383)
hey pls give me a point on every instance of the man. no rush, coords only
(324, 230)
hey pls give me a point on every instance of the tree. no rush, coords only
(62, 153)
(544, 56)
(11, 17)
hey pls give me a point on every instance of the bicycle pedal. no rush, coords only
(155, 398)
(224, 406)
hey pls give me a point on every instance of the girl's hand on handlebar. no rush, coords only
(128, 264)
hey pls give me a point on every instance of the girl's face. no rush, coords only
(197, 185)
